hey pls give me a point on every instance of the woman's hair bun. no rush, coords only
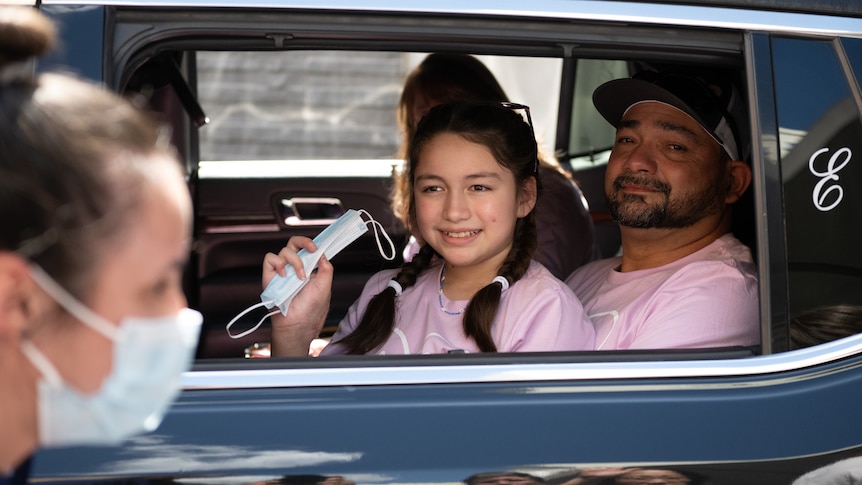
(24, 33)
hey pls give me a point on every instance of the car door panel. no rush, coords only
(239, 220)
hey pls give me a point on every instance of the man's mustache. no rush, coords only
(641, 181)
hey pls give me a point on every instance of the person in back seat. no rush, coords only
(563, 221)
(473, 286)
(683, 279)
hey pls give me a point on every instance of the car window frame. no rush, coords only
(126, 51)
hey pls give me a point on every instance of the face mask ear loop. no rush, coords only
(41, 363)
(71, 304)
(243, 313)
(376, 226)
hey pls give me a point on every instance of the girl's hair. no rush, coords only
(70, 177)
(509, 138)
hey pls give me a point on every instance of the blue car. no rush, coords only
(284, 113)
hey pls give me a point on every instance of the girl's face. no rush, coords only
(467, 203)
(139, 276)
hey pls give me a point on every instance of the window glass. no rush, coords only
(821, 140)
(591, 136)
(534, 82)
(299, 105)
(334, 105)
(853, 49)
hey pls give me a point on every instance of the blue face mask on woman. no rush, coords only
(150, 355)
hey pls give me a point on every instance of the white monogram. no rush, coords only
(824, 191)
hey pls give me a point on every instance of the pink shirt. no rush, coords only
(707, 299)
(537, 313)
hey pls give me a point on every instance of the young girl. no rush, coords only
(473, 286)
(564, 227)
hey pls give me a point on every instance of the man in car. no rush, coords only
(683, 280)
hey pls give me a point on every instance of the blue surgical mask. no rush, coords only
(150, 355)
(282, 289)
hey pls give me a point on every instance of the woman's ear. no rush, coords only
(527, 198)
(740, 178)
(18, 295)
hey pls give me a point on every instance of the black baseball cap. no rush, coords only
(687, 94)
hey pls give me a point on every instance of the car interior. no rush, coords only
(283, 129)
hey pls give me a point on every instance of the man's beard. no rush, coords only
(632, 210)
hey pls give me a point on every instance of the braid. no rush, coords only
(379, 319)
(525, 242)
(482, 309)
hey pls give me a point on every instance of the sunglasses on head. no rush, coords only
(526, 109)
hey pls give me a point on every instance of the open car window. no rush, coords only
(301, 129)
(294, 139)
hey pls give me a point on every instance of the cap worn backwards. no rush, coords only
(612, 99)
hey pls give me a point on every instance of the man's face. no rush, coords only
(664, 171)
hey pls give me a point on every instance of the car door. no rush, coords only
(720, 416)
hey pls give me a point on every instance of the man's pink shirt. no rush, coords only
(707, 299)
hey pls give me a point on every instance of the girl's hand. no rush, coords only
(293, 333)
(289, 255)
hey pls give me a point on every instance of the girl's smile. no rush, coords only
(460, 237)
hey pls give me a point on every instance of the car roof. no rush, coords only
(848, 8)
(821, 17)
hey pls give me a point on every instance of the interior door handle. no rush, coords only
(310, 211)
